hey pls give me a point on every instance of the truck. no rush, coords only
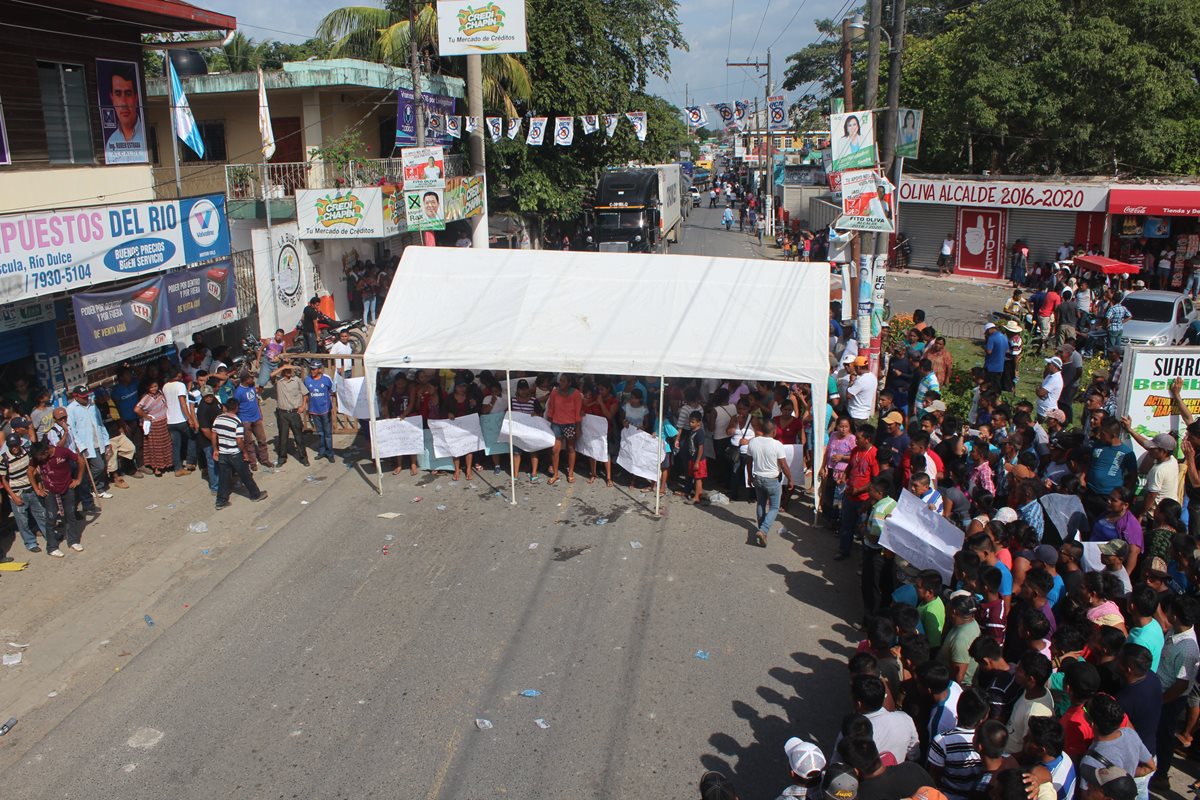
(639, 209)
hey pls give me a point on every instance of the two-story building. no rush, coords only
(80, 211)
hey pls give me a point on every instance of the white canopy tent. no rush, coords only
(606, 314)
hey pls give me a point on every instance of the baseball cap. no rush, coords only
(1046, 554)
(20, 422)
(987, 326)
(964, 605)
(1054, 361)
(1139, 284)
(805, 757)
(1057, 413)
(1158, 565)
(861, 361)
(936, 405)
(849, 358)
(14, 440)
(80, 391)
(1164, 441)
(206, 391)
(894, 418)
(1116, 783)
(842, 786)
(1006, 515)
(1115, 547)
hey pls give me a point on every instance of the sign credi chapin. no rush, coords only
(339, 210)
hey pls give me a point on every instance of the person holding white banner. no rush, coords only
(564, 410)
(460, 404)
(523, 402)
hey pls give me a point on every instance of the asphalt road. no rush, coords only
(321, 667)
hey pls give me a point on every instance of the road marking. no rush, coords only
(451, 748)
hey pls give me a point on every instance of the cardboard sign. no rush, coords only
(528, 432)
(456, 437)
(640, 454)
(399, 437)
(593, 438)
(921, 536)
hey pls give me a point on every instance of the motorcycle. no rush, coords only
(251, 347)
(327, 337)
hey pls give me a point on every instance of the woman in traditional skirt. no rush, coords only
(152, 408)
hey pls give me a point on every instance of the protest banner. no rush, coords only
(640, 454)
(593, 438)
(428, 460)
(1066, 514)
(921, 536)
(1145, 395)
(456, 437)
(527, 432)
(352, 398)
(398, 437)
(490, 424)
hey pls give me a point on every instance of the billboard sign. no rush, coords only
(468, 27)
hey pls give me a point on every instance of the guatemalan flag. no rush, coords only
(185, 123)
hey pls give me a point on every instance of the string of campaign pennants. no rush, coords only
(733, 115)
(562, 133)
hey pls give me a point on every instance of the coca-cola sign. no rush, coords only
(1133, 210)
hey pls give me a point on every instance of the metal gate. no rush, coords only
(926, 226)
(1043, 231)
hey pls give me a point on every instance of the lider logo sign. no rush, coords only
(485, 19)
(340, 210)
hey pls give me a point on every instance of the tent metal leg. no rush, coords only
(662, 401)
(512, 465)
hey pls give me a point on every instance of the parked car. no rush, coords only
(695, 197)
(1159, 318)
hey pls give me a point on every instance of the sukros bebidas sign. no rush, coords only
(989, 194)
(52, 251)
(1146, 389)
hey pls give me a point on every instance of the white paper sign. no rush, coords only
(593, 438)
(456, 437)
(398, 437)
(640, 454)
(527, 432)
(921, 536)
(1066, 514)
(352, 398)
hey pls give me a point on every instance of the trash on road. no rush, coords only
(18, 646)
(204, 552)
(715, 499)
(541, 723)
(415, 500)
(52, 695)
(389, 538)
(530, 693)
(483, 724)
(303, 502)
(441, 507)
(8, 726)
(533, 545)
(385, 549)
(149, 621)
(703, 655)
(635, 545)
(197, 527)
(152, 506)
(313, 478)
(261, 528)
(602, 521)
(171, 506)
(11, 659)
(389, 515)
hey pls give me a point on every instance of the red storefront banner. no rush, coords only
(1154, 202)
(979, 242)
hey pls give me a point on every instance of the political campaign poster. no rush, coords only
(200, 298)
(122, 125)
(463, 197)
(437, 107)
(777, 113)
(868, 201)
(740, 109)
(51, 251)
(398, 437)
(852, 139)
(467, 27)
(424, 167)
(537, 131)
(980, 238)
(726, 113)
(564, 131)
(908, 135)
(424, 210)
(456, 437)
(122, 323)
(921, 536)
(1145, 395)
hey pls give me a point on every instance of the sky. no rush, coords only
(716, 31)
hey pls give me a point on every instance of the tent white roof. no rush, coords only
(605, 313)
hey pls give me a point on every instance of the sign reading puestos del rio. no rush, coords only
(1000, 194)
(1146, 389)
(52, 251)
(481, 26)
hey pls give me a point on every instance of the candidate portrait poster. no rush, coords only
(867, 202)
(852, 139)
(119, 89)
(425, 210)
(908, 135)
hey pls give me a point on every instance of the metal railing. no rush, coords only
(279, 180)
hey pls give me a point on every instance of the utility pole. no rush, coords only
(887, 147)
(874, 22)
(769, 199)
(414, 66)
(756, 64)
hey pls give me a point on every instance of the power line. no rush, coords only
(795, 14)
(767, 10)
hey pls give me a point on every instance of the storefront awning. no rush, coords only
(1179, 202)
(1105, 265)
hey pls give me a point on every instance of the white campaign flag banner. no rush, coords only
(470, 124)
(740, 107)
(640, 454)
(593, 438)
(399, 437)
(514, 127)
(610, 124)
(456, 437)
(564, 131)
(921, 536)
(527, 432)
(726, 112)
(495, 126)
(697, 117)
(638, 120)
(454, 125)
(352, 397)
(590, 123)
(537, 131)
(264, 119)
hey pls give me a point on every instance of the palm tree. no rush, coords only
(383, 34)
(242, 54)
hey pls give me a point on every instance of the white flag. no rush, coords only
(740, 107)
(494, 126)
(264, 119)
(454, 126)
(564, 131)
(591, 123)
(726, 112)
(696, 116)
(514, 127)
(610, 124)
(638, 120)
(537, 131)
(470, 124)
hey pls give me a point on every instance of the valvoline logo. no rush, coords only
(204, 223)
(140, 255)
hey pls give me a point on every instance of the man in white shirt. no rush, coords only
(1051, 388)
(860, 393)
(1177, 668)
(1066, 252)
(768, 460)
(342, 367)
(945, 262)
(180, 422)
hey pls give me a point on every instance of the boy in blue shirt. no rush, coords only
(320, 408)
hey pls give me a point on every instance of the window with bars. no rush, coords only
(67, 111)
(213, 136)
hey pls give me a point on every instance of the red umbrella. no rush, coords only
(1105, 265)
